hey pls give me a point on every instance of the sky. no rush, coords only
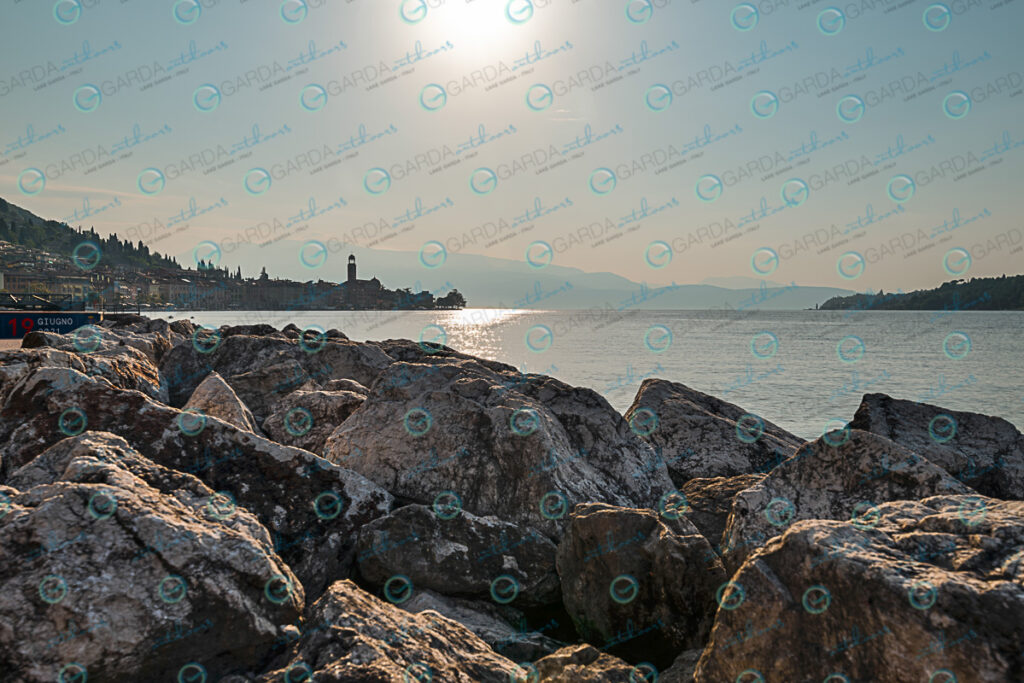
(862, 145)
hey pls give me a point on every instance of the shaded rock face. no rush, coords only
(935, 584)
(708, 502)
(214, 397)
(697, 435)
(841, 476)
(310, 506)
(635, 586)
(504, 628)
(265, 386)
(503, 445)
(986, 453)
(318, 360)
(117, 564)
(349, 635)
(584, 664)
(305, 419)
(481, 557)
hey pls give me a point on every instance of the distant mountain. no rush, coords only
(489, 282)
(978, 294)
(738, 282)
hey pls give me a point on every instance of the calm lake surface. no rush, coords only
(799, 369)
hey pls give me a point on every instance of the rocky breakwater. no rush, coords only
(248, 504)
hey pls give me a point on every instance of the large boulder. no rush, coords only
(697, 435)
(506, 445)
(311, 507)
(130, 570)
(984, 452)
(305, 419)
(840, 476)
(923, 590)
(349, 635)
(216, 398)
(482, 557)
(318, 359)
(636, 584)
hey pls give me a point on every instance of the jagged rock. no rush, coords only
(840, 476)
(318, 360)
(708, 502)
(682, 669)
(257, 330)
(152, 338)
(984, 452)
(125, 368)
(264, 386)
(936, 584)
(700, 436)
(306, 418)
(635, 585)
(311, 507)
(482, 557)
(448, 426)
(584, 664)
(349, 635)
(492, 623)
(118, 564)
(215, 397)
(346, 385)
(335, 333)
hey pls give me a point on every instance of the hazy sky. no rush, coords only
(608, 65)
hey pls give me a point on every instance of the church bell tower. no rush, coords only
(351, 268)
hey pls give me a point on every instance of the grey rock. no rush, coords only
(708, 502)
(584, 664)
(215, 397)
(305, 419)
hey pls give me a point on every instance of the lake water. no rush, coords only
(959, 360)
